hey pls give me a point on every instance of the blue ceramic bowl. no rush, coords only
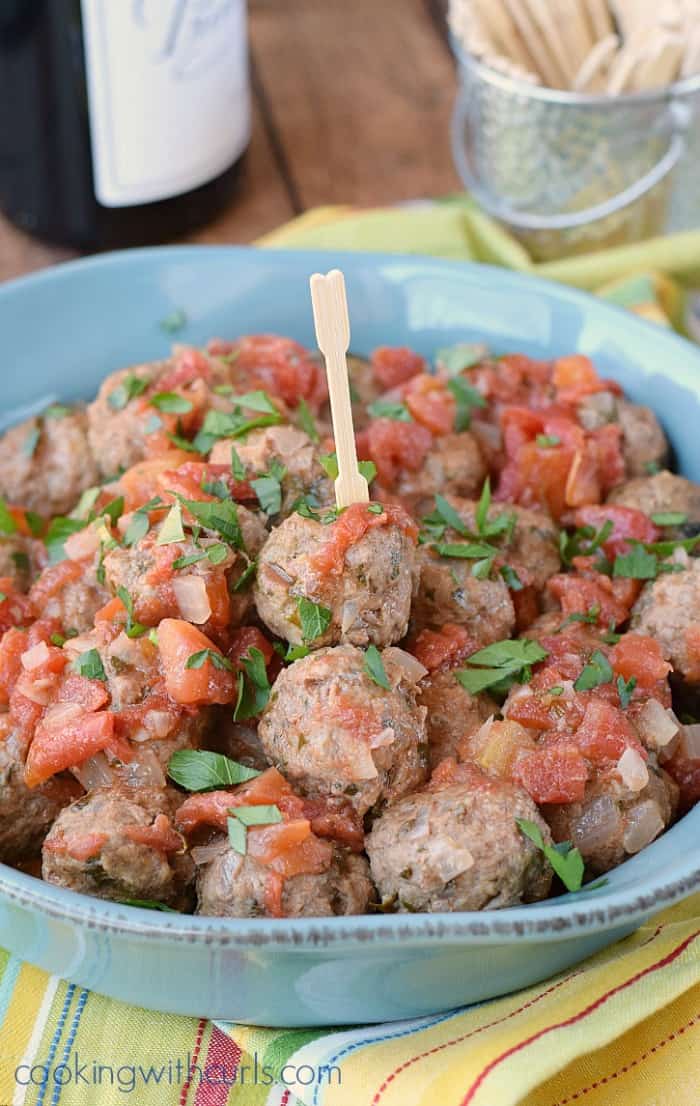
(62, 331)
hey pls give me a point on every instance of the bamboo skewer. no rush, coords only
(332, 324)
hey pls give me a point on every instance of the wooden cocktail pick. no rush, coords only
(330, 308)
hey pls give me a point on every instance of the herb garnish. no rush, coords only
(220, 516)
(59, 529)
(456, 359)
(216, 554)
(566, 861)
(56, 411)
(374, 667)
(500, 664)
(253, 686)
(307, 422)
(199, 770)
(173, 322)
(241, 817)
(329, 464)
(89, 664)
(314, 619)
(130, 387)
(171, 530)
(467, 398)
(595, 673)
(148, 904)
(386, 409)
(268, 488)
(625, 689)
(669, 518)
(583, 542)
(7, 523)
(590, 616)
(218, 660)
(133, 629)
(547, 441)
(170, 403)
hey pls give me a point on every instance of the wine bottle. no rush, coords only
(122, 122)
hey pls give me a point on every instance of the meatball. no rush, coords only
(332, 730)
(453, 713)
(201, 590)
(662, 493)
(368, 592)
(118, 843)
(46, 463)
(26, 815)
(19, 559)
(643, 440)
(612, 823)
(453, 466)
(288, 447)
(235, 886)
(70, 592)
(456, 846)
(449, 592)
(669, 610)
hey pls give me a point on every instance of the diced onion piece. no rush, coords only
(144, 770)
(633, 771)
(74, 646)
(82, 544)
(656, 725)
(414, 670)
(204, 854)
(598, 825)
(449, 860)
(690, 741)
(159, 723)
(35, 657)
(94, 772)
(680, 556)
(363, 766)
(192, 598)
(385, 737)
(644, 823)
(348, 618)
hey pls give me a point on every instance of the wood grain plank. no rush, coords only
(361, 94)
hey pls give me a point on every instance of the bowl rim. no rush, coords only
(564, 917)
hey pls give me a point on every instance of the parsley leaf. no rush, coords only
(130, 387)
(173, 322)
(467, 398)
(456, 359)
(264, 814)
(625, 689)
(56, 411)
(500, 664)
(636, 565)
(218, 660)
(374, 667)
(199, 770)
(292, 652)
(386, 409)
(307, 421)
(139, 525)
(253, 686)
(89, 664)
(7, 523)
(237, 466)
(669, 518)
(513, 581)
(148, 904)
(221, 516)
(584, 541)
(314, 619)
(450, 517)
(329, 464)
(170, 403)
(237, 836)
(566, 861)
(268, 488)
(590, 616)
(547, 441)
(171, 531)
(133, 629)
(246, 576)
(595, 673)
(59, 529)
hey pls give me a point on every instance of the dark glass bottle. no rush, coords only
(122, 122)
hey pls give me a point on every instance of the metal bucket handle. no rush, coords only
(680, 117)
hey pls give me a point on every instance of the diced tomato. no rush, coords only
(605, 733)
(177, 642)
(15, 609)
(575, 377)
(626, 523)
(188, 365)
(532, 711)
(80, 847)
(606, 441)
(53, 580)
(246, 638)
(55, 749)
(212, 808)
(160, 836)
(640, 657)
(395, 364)
(89, 694)
(553, 774)
(113, 611)
(397, 446)
(283, 367)
(14, 642)
(209, 808)
(349, 528)
(579, 594)
(189, 479)
(537, 477)
(140, 484)
(431, 403)
(42, 666)
(443, 648)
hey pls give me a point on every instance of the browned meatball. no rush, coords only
(290, 448)
(368, 593)
(669, 610)
(118, 843)
(454, 466)
(46, 463)
(201, 590)
(453, 713)
(71, 591)
(612, 822)
(449, 592)
(26, 815)
(332, 730)
(456, 846)
(662, 493)
(233, 886)
(643, 440)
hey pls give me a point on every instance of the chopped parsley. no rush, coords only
(199, 770)
(566, 861)
(148, 904)
(237, 836)
(246, 576)
(590, 616)
(262, 815)
(237, 466)
(35, 523)
(215, 554)
(669, 518)
(139, 525)
(220, 516)
(457, 359)
(171, 530)
(130, 387)
(7, 523)
(253, 686)
(170, 403)
(268, 488)
(218, 660)
(636, 565)
(467, 398)
(175, 321)
(59, 529)
(625, 689)
(374, 667)
(314, 619)
(512, 580)
(583, 542)
(547, 441)
(652, 467)
(500, 664)
(595, 673)
(386, 409)
(307, 422)
(236, 424)
(89, 664)
(133, 628)
(329, 464)
(56, 411)
(292, 652)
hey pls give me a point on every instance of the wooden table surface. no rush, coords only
(351, 104)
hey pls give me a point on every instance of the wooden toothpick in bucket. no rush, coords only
(332, 324)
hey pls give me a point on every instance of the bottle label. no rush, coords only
(168, 94)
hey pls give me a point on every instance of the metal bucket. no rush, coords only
(570, 172)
